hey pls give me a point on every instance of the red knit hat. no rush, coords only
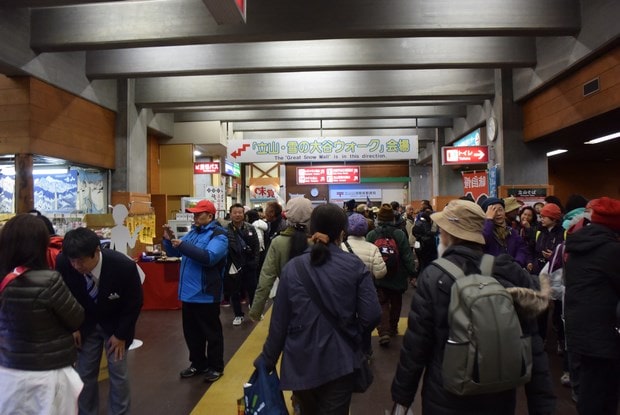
(552, 211)
(606, 212)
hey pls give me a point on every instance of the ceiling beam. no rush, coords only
(314, 87)
(423, 133)
(178, 22)
(342, 124)
(329, 54)
(451, 111)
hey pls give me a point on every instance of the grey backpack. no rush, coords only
(486, 351)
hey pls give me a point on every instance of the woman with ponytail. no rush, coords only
(318, 358)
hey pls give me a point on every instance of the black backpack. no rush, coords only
(388, 248)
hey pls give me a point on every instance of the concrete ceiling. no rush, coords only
(303, 67)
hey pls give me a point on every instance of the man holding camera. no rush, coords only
(203, 251)
(243, 258)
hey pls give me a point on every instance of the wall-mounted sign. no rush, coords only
(324, 149)
(471, 139)
(207, 168)
(232, 169)
(328, 175)
(465, 155)
(361, 195)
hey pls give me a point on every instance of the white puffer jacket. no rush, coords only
(368, 253)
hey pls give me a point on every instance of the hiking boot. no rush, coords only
(384, 340)
(212, 375)
(191, 371)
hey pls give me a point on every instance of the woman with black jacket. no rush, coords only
(38, 315)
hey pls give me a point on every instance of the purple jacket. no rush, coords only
(514, 245)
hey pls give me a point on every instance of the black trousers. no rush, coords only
(331, 398)
(202, 330)
(599, 383)
(243, 282)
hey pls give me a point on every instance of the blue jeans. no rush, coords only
(88, 362)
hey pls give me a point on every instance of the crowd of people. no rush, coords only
(559, 263)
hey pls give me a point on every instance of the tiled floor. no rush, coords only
(158, 390)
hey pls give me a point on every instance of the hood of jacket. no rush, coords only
(590, 238)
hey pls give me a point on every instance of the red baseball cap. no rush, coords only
(203, 206)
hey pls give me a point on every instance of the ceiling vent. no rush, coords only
(591, 87)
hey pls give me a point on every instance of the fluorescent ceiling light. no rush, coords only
(10, 170)
(197, 152)
(604, 138)
(50, 170)
(556, 152)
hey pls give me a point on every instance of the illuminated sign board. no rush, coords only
(232, 168)
(328, 175)
(207, 168)
(465, 155)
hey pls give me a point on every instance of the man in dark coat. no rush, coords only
(592, 276)
(107, 284)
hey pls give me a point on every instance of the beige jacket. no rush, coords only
(368, 253)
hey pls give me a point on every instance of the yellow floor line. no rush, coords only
(221, 397)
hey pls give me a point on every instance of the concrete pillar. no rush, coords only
(131, 143)
(519, 163)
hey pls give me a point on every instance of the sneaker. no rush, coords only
(212, 375)
(384, 340)
(225, 303)
(191, 371)
(565, 379)
(237, 320)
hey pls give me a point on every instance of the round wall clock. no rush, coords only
(491, 129)
(314, 192)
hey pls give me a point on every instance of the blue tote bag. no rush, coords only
(262, 394)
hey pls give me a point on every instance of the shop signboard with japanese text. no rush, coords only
(326, 149)
(528, 194)
(207, 167)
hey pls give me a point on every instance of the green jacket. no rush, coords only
(275, 259)
(406, 265)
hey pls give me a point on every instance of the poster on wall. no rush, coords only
(476, 184)
(56, 192)
(92, 192)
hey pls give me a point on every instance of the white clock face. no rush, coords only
(491, 129)
(314, 192)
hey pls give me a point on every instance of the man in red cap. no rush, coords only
(591, 306)
(203, 251)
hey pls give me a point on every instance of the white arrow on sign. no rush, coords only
(480, 154)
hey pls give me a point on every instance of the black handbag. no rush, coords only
(363, 375)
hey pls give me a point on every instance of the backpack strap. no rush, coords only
(346, 243)
(486, 266)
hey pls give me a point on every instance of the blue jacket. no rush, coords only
(203, 260)
(313, 352)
